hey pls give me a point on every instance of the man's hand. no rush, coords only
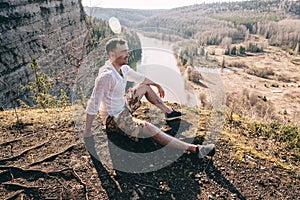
(87, 133)
(161, 92)
(88, 125)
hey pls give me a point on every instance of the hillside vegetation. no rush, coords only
(210, 23)
(127, 17)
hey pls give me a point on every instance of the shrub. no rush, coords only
(275, 85)
(288, 134)
(233, 51)
(194, 75)
(203, 99)
(250, 106)
(284, 78)
(41, 88)
(253, 48)
(242, 50)
(261, 72)
(238, 65)
(223, 62)
(253, 99)
(227, 51)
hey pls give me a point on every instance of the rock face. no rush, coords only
(49, 30)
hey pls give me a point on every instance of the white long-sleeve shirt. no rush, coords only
(109, 90)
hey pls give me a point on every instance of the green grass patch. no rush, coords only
(287, 134)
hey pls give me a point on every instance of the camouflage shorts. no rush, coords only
(125, 123)
(132, 100)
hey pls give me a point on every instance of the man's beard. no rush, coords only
(121, 62)
(125, 62)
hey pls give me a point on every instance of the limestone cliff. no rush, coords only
(45, 29)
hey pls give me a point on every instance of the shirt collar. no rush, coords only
(108, 63)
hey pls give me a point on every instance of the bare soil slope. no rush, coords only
(44, 158)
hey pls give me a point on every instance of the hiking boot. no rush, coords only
(173, 115)
(206, 150)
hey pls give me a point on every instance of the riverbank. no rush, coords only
(160, 65)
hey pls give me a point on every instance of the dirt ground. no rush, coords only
(44, 157)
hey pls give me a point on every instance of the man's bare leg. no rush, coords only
(164, 139)
(160, 136)
(154, 132)
(152, 97)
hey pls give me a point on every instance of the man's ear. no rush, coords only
(112, 54)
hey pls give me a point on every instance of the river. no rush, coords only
(159, 64)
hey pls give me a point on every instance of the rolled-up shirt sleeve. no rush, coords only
(135, 76)
(102, 85)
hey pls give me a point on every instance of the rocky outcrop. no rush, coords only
(49, 30)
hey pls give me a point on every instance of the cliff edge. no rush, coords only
(50, 31)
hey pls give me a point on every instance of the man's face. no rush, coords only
(120, 55)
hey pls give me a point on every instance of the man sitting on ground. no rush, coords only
(115, 107)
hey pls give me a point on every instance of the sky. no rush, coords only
(144, 4)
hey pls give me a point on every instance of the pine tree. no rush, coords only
(41, 88)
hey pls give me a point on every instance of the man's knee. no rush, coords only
(142, 88)
(149, 129)
(146, 125)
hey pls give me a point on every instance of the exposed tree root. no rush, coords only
(12, 172)
(52, 156)
(15, 140)
(81, 182)
(18, 172)
(13, 195)
(18, 186)
(11, 141)
(15, 157)
(75, 175)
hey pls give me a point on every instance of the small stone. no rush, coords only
(78, 187)
(197, 176)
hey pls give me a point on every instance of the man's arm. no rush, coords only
(101, 84)
(139, 78)
(161, 91)
(88, 125)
